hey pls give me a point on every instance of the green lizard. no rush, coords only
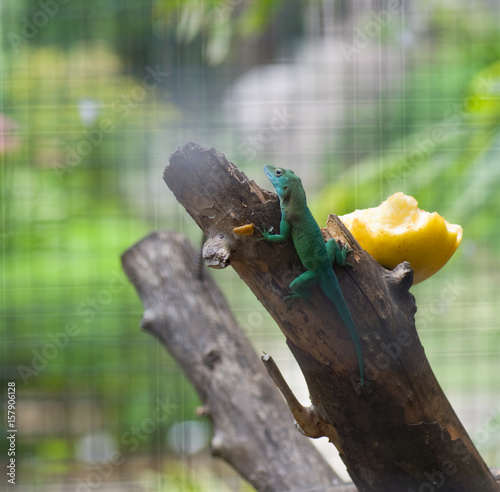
(317, 257)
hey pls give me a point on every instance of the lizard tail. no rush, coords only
(330, 286)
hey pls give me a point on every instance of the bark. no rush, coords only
(253, 428)
(396, 433)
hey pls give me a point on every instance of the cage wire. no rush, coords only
(360, 99)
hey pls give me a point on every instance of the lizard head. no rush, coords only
(283, 180)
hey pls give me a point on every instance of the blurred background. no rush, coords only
(362, 99)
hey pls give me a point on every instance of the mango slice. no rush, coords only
(397, 230)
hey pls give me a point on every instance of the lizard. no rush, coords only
(318, 257)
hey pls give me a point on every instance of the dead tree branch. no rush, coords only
(398, 432)
(253, 429)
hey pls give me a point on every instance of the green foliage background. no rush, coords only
(75, 88)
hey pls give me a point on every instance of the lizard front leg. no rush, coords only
(284, 234)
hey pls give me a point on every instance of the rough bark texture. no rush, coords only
(396, 433)
(253, 428)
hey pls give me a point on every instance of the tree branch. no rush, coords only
(398, 432)
(253, 429)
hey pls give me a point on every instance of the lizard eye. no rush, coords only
(278, 172)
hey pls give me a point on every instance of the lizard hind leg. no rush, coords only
(300, 286)
(337, 254)
(302, 294)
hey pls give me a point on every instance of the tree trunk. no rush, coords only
(398, 432)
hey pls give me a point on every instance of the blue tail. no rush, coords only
(330, 286)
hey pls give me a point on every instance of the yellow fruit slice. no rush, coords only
(397, 230)
(244, 230)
